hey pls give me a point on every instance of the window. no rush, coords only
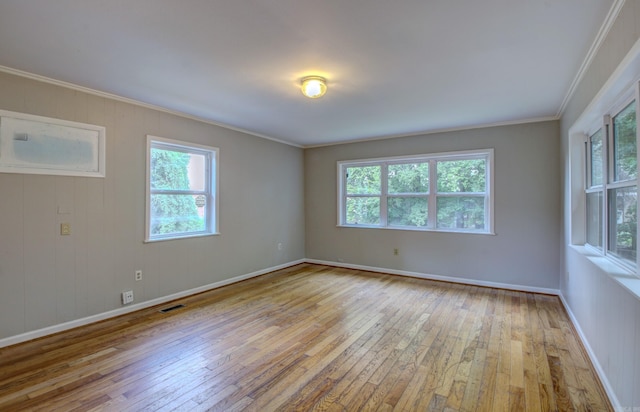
(181, 189)
(612, 185)
(444, 192)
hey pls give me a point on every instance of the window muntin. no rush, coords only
(611, 187)
(445, 192)
(181, 189)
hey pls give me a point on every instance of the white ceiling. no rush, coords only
(393, 67)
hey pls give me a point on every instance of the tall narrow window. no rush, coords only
(595, 195)
(612, 185)
(623, 189)
(462, 189)
(181, 189)
(363, 185)
(408, 191)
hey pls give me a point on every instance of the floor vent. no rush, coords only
(169, 309)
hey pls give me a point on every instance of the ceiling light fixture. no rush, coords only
(314, 86)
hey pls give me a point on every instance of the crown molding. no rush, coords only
(609, 20)
(122, 99)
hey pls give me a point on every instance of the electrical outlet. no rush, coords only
(395, 251)
(279, 246)
(127, 297)
(138, 275)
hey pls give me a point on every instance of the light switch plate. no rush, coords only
(65, 229)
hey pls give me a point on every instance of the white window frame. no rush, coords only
(210, 192)
(608, 182)
(432, 195)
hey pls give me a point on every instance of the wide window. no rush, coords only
(612, 184)
(444, 192)
(181, 189)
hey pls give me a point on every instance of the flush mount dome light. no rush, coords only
(314, 86)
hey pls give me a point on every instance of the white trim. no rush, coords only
(127, 100)
(42, 127)
(212, 187)
(614, 89)
(452, 155)
(592, 356)
(431, 158)
(12, 340)
(591, 54)
(115, 97)
(441, 278)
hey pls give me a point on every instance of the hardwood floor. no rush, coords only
(315, 338)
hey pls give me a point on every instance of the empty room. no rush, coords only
(338, 205)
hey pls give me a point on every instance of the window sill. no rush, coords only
(164, 239)
(412, 229)
(624, 276)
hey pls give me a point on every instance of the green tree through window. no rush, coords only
(429, 192)
(181, 196)
(172, 213)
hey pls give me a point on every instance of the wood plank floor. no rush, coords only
(315, 338)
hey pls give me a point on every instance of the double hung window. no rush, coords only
(445, 192)
(181, 189)
(612, 184)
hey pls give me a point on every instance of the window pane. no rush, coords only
(596, 158)
(363, 180)
(460, 212)
(409, 178)
(363, 210)
(407, 211)
(624, 144)
(594, 218)
(461, 176)
(177, 170)
(623, 218)
(177, 214)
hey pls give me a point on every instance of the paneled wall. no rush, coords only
(47, 279)
(607, 313)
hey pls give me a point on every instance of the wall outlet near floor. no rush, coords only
(279, 246)
(127, 297)
(138, 275)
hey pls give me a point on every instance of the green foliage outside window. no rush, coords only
(363, 180)
(172, 213)
(460, 198)
(623, 231)
(461, 176)
(408, 178)
(625, 148)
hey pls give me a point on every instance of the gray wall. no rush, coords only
(47, 279)
(607, 313)
(526, 247)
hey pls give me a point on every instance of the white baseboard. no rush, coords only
(592, 356)
(12, 340)
(450, 279)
